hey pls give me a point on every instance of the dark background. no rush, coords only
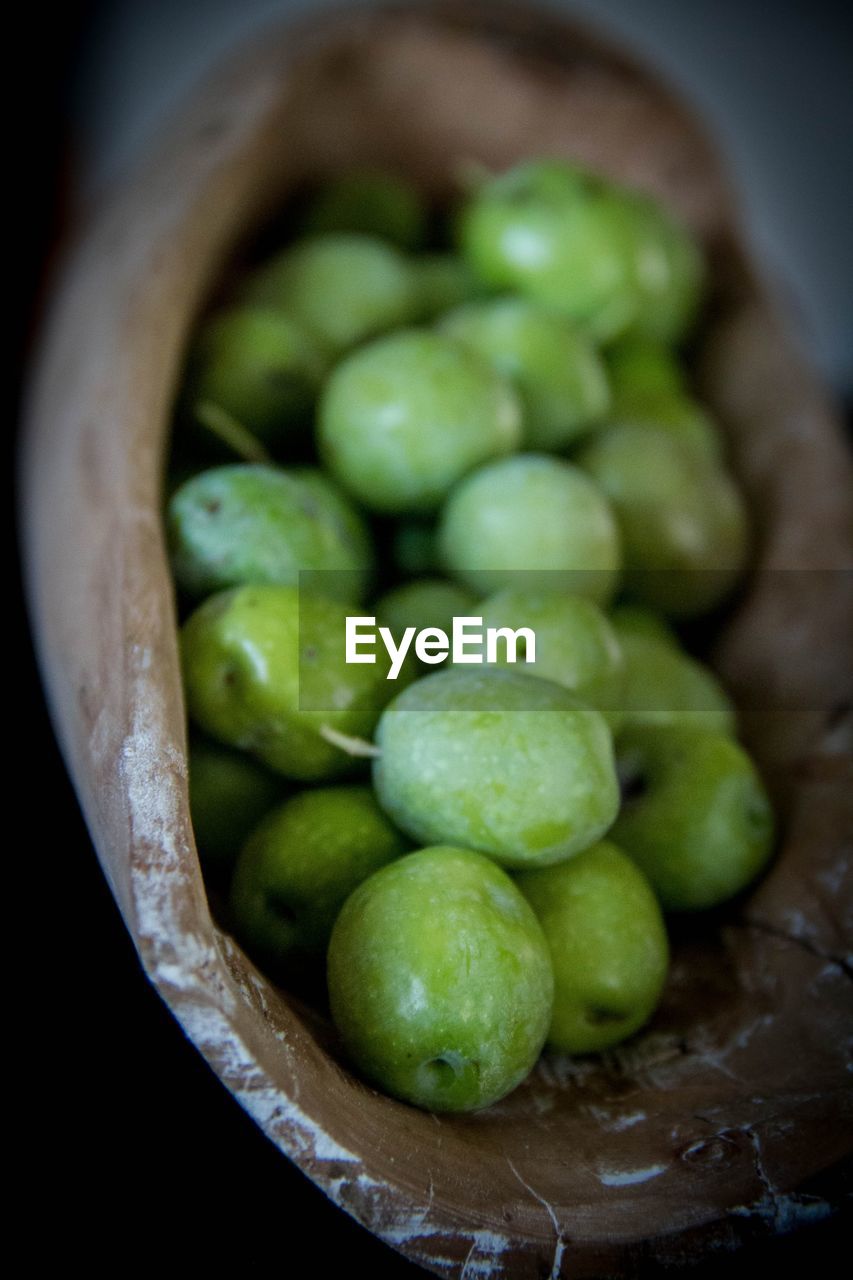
(128, 1137)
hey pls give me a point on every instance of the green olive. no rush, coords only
(405, 417)
(302, 862)
(229, 794)
(556, 370)
(342, 288)
(265, 671)
(252, 524)
(259, 366)
(682, 518)
(608, 944)
(531, 522)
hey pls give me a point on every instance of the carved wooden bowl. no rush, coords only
(719, 1122)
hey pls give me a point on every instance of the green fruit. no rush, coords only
(413, 547)
(300, 865)
(439, 980)
(261, 366)
(556, 371)
(343, 288)
(351, 528)
(683, 521)
(608, 946)
(371, 202)
(665, 686)
(264, 670)
(426, 602)
(649, 388)
(534, 514)
(404, 418)
(229, 794)
(676, 415)
(508, 764)
(668, 270)
(575, 644)
(558, 237)
(638, 367)
(636, 620)
(442, 281)
(696, 818)
(257, 524)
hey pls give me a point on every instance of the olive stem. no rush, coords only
(360, 748)
(230, 432)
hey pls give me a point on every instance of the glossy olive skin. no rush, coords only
(608, 945)
(300, 864)
(350, 531)
(676, 415)
(405, 417)
(508, 764)
(639, 367)
(229, 794)
(264, 671)
(343, 288)
(555, 369)
(668, 270)
(575, 644)
(649, 387)
(682, 518)
(663, 685)
(440, 982)
(240, 524)
(369, 201)
(557, 236)
(612, 260)
(262, 366)
(533, 522)
(696, 818)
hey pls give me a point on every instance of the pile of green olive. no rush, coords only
(379, 425)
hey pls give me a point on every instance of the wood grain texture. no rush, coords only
(704, 1131)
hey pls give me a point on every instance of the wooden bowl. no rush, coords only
(711, 1127)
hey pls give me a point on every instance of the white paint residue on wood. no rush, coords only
(630, 1177)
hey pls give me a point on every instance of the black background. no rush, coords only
(132, 1151)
